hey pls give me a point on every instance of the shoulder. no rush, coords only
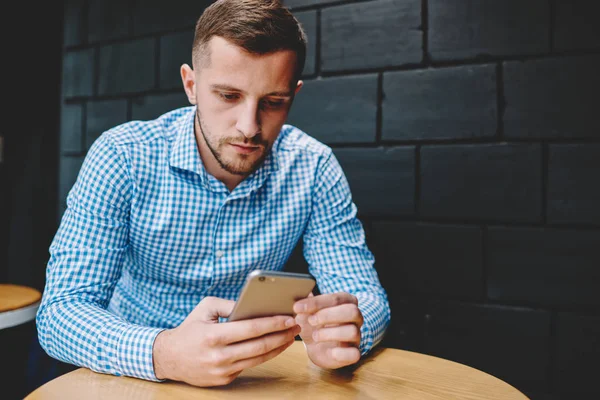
(141, 132)
(295, 141)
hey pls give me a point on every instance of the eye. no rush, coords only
(274, 104)
(229, 96)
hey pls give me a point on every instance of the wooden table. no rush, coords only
(18, 304)
(386, 374)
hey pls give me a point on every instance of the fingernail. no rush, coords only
(298, 308)
(312, 320)
(290, 322)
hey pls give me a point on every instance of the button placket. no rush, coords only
(217, 245)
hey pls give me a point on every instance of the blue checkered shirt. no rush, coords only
(148, 233)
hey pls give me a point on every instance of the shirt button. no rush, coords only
(220, 253)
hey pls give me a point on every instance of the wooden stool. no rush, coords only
(18, 307)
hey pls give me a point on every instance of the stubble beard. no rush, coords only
(244, 166)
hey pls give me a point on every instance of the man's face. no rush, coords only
(242, 102)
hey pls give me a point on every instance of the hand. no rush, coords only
(203, 352)
(330, 328)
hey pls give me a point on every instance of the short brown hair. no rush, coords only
(258, 26)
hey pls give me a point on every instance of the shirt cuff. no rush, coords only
(134, 352)
(375, 322)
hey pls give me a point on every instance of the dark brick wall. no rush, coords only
(469, 133)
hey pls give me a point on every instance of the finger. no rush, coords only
(254, 361)
(344, 333)
(259, 346)
(302, 319)
(238, 331)
(346, 313)
(211, 308)
(307, 329)
(345, 355)
(313, 304)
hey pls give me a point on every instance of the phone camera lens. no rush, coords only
(262, 278)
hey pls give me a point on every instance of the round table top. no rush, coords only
(14, 297)
(385, 374)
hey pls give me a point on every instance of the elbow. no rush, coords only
(44, 327)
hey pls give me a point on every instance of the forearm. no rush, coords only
(85, 334)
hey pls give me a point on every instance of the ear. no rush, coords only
(298, 87)
(188, 78)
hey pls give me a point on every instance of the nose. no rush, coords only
(248, 122)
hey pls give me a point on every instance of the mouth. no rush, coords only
(243, 149)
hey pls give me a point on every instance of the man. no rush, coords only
(167, 218)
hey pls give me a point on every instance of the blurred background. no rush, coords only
(469, 131)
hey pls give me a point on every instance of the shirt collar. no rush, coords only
(185, 156)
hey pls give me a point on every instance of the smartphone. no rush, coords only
(267, 293)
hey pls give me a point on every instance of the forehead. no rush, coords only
(231, 64)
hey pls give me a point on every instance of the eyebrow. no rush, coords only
(232, 89)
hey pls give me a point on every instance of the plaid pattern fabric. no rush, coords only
(148, 233)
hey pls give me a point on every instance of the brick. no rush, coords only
(62, 207)
(103, 115)
(153, 16)
(543, 266)
(337, 110)
(573, 192)
(367, 225)
(308, 20)
(510, 343)
(552, 98)
(291, 4)
(576, 26)
(78, 73)
(69, 169)
(578, 351)
(461, 29)
(150, 107)
(175, 50)
(382, 181)
(407, 325)
(433, 259)
(127, 67)
(484, 182)
(371, 35)
(5, 215)
(71, 128)
(542, 395)
(74, 23)
(107, 20)
(445, 103)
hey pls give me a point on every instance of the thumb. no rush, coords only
(211, 308)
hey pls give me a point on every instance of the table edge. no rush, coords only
(80, 370)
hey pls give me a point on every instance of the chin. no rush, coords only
(238, 167)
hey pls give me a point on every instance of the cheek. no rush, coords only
(272, 123)
(217, 115)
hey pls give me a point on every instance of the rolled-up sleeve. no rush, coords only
(86, 259)
(337, 254)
